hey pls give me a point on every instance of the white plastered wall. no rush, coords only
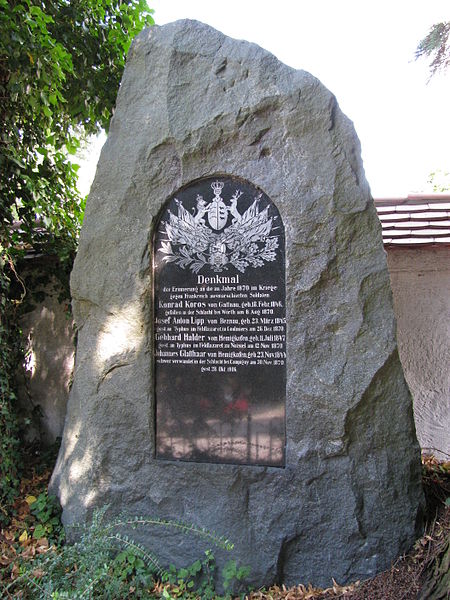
(420, 279)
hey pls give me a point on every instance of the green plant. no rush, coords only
(197, 579)
(10, 355)
(129, 571)
(440, 180)
(60, 67)
(205, 585)
(234, 576)
(104, 563)
(436, 45)
(47, 511)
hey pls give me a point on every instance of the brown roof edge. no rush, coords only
(412, 199)
(416, 246)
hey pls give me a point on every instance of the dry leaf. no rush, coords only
(38, 573)
(42, 545)
(15, 571)
(9, 536)
(29, 552)
(4, 560)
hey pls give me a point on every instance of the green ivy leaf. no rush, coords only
(60, 82)
(39, 531)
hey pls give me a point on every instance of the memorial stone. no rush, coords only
(220, 326)
(236, 364)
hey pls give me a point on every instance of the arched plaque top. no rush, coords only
(219, 225)
(220, 327)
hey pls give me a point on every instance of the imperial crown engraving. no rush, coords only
(203, 240)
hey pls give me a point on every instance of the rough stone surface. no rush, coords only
(195, 103)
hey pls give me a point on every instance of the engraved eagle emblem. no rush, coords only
(202, 239)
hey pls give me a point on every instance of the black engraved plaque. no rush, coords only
(220, 325)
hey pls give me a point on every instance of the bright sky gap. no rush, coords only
(364, 53)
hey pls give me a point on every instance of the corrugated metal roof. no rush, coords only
(418, 219)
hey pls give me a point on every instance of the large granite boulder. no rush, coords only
(194, 103)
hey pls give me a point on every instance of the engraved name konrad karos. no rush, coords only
(220, 325)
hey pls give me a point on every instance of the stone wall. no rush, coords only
(420, 279)
(48, 335)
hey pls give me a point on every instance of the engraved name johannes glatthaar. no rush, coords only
(201, 239)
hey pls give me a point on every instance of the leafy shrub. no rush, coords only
(60, 67)
(234, 576)
(198, 578)
(106, 564)
(47, 511)
(9, 357)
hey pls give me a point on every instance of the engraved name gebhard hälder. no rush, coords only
(220, 325)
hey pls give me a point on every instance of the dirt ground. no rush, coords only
(423, 574)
